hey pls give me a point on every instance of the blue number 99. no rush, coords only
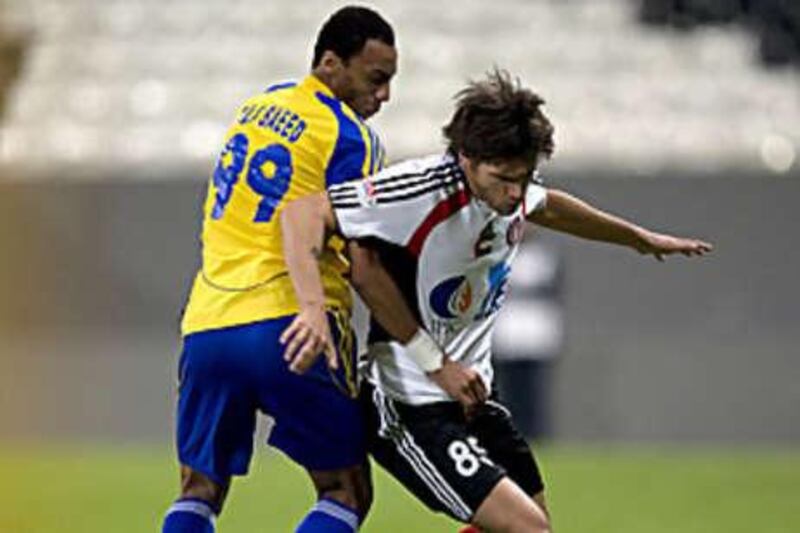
(271, 188)
(225, 177)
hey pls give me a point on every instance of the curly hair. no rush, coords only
(347, 31)
(497, 119)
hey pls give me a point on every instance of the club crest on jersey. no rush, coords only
(365, 191)
(484, 244)
(515, 231)
(451, 298)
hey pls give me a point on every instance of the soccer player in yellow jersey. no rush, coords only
(284, 145)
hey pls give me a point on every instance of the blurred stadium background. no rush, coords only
(655, 386)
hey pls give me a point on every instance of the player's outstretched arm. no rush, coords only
(303, 231)
(567, 214)
(384, 299)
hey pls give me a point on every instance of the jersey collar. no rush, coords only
(314, 85)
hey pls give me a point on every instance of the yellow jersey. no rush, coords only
(293, 140)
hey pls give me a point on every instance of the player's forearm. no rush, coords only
(381, 294)
(385, 301)
(568, 214)
(303, 232)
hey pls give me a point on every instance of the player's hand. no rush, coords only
(463, 384)
(306, 338)
(661, 245)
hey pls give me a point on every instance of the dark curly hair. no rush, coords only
(347, 31)
(497, 119)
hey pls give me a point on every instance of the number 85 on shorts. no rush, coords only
(467, 456)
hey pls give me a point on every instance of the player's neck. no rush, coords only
(469, 178)
(326, 78)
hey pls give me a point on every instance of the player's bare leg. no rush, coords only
(542, 502)
(343, 499)
(508, 509)
(200, 502)
(351, 487)
(197, 485)
(538, 498)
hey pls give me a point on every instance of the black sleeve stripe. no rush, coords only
(343, 193)
(419, 192)
(388, 189)
(400, 177)
(347, 203)
(344, 186)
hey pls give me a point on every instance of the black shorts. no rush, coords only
(449, 463)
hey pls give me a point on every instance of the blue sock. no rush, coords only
(329, 516)
(189, 515)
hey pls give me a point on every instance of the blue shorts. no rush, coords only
(229, 374)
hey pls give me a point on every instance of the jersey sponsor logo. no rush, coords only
(498, 286)
(451, 298)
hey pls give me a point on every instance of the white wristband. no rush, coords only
(424, 351)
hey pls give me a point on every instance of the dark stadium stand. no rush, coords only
(12, 47)
(775, 22)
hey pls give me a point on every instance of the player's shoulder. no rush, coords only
(424, 174)
(422, 179)
(273, 93)
(307, 98)
(435, 164)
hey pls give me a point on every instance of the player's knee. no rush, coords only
(197, 485)
(510, 511)
(519, 524)
(531, 521)
(538, 524)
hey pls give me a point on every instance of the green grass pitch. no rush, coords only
(590, 489)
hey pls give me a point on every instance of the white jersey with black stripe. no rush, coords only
(457, 250)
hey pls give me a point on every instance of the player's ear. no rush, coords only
(330, 63)
(464, 161)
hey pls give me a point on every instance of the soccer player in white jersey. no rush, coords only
(432, 241)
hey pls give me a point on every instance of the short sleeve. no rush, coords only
(390, 205)
(360, 214)
(350, 151)
(536, 195)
